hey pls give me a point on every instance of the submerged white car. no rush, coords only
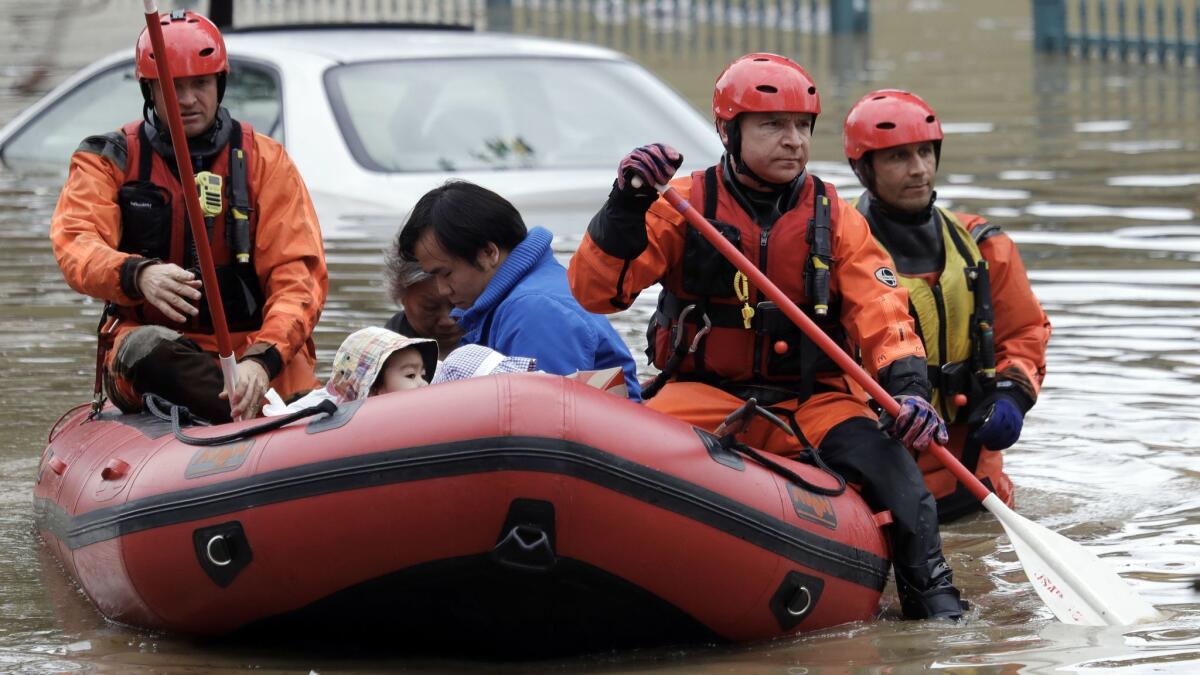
(376, 116)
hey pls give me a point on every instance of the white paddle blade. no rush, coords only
(1075, 584)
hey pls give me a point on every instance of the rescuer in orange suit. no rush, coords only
(718, 342)
(120, 234)
(985, 334)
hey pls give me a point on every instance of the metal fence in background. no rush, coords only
(1162, 31)
(601, 21)
(687, 27)
(247, 13)
(704, 33)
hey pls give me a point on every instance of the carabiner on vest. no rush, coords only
(679, 351)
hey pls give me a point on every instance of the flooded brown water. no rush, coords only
(1094, 169)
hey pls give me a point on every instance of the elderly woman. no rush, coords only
(425, 312)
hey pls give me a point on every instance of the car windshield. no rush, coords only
(507, 113)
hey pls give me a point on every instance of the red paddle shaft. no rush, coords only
(814, 333)
(208, 271)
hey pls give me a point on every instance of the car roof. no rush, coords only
(346, 43)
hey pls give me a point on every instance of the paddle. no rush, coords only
(1077, 587)
(208, 271)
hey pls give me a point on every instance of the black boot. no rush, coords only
(928, 592)
(891, 481)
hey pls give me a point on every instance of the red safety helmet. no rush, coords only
(194, 46)
(887, 118)
(764, 83)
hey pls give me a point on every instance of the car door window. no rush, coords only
(112, 97)
(98, 105)
(252, 95)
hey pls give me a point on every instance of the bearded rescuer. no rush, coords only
(984, 331)
(120, 234)
(720, 343)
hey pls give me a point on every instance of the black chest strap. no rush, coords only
(145, 154)
(237, 216)
(710, 192)
(820, 250)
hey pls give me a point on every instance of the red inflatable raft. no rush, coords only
(518, 513)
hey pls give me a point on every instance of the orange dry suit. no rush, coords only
(972, 347)
(820, 253)
(750, 348)
(122, 207)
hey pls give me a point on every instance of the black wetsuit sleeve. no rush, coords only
(908, 376)
(619, 227)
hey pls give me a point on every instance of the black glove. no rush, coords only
(619, 228)
(997, 421)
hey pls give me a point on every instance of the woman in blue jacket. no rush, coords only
(509, 292)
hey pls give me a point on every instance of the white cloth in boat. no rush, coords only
(476, 361)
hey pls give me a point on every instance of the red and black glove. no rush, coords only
(916, 424)
(619, 228)
(655, 164)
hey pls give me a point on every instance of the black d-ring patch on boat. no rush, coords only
(795, 599)
(223, 551)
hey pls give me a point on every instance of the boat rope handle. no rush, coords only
(792, 476)
(176, 413)
(811, 452)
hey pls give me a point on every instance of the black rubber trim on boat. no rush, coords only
(483, 455)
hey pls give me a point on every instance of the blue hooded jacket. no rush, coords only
(527, 310)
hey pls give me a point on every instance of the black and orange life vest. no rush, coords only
(771, 349)
(154, 224)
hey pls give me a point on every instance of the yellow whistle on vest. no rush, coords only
(741, 288)
(747, 315)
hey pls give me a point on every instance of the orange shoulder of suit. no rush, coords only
(874, 313)
(1022, 329)
(288, 251)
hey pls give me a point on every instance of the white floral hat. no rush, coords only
(362, 355)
